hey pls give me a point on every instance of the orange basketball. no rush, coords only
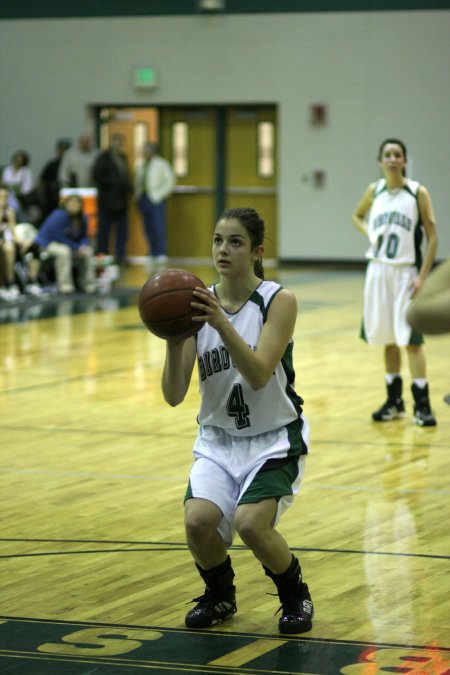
(165, 304)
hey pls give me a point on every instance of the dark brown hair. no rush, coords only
(396, 142)
(254, 224)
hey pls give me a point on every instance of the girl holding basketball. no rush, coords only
(393, 213)
(252, 441)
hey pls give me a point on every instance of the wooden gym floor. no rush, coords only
(95, 576)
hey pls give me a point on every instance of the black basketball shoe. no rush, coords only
(297, 612)
(422, 409)
(212, 608)
(393, 408)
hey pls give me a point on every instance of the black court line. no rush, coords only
(66, 380)
(215, 632)
(60, 429)
(159, 546)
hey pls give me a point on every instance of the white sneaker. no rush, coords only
(34, 289)
(5, 295)
(14, 292)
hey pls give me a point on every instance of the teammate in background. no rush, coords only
(393, 213)
(429, 312)
(252, 440)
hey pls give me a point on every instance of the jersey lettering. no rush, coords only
(392, 218)
(215, 361)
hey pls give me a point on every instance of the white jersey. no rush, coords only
(395, 230)
(228, 401)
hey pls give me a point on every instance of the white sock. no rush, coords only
(390, 377)
(420, 382)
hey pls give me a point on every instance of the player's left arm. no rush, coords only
(429, 224)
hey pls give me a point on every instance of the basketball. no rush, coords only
(165, 304)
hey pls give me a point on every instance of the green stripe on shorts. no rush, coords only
(274, 483)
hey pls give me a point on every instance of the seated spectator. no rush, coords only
(14, 249)
(64, 236)
(18, 178)
(28, 265)
(9, 290)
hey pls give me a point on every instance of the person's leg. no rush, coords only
(121, 218)
(11, 291)
(159, 232)
(9, 257)
(201, 520)
(85, 257)
(264, 497)
(218, 603)
(63, 266)
(30, 257)
(209, 508)
(146, 210)
(423, 415)
(393, 407)
(255, 525)
(103, 230)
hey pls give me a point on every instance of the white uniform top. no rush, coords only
(395, 230)
(228, 401)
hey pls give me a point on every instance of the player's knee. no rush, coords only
(197, 526)
(249, 530)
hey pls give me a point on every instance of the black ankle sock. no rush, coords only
(219, 577)
(289, 581)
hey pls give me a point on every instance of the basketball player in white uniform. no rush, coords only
(252, 440)
(394, 213)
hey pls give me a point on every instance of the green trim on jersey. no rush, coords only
(258, 300)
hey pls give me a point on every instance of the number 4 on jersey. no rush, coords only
(237, 408)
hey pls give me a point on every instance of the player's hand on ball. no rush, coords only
(208, 308)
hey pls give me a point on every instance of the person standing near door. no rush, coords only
(75, 169)
(113, 181)
(154, 182)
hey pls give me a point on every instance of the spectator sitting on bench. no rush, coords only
(64, 235)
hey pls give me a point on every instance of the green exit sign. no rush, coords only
(145, 77)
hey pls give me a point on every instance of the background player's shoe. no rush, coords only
(422, 409)
(212, 608)
(390, 410)
(393, 408)
(298, 612)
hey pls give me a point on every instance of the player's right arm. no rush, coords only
(177, 371)
(361, 210)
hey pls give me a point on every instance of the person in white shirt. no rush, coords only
(18, 178)
(154, 182)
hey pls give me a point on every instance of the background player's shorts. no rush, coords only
(387, 296)
(228, 484)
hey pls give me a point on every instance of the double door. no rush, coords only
(223, 157)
